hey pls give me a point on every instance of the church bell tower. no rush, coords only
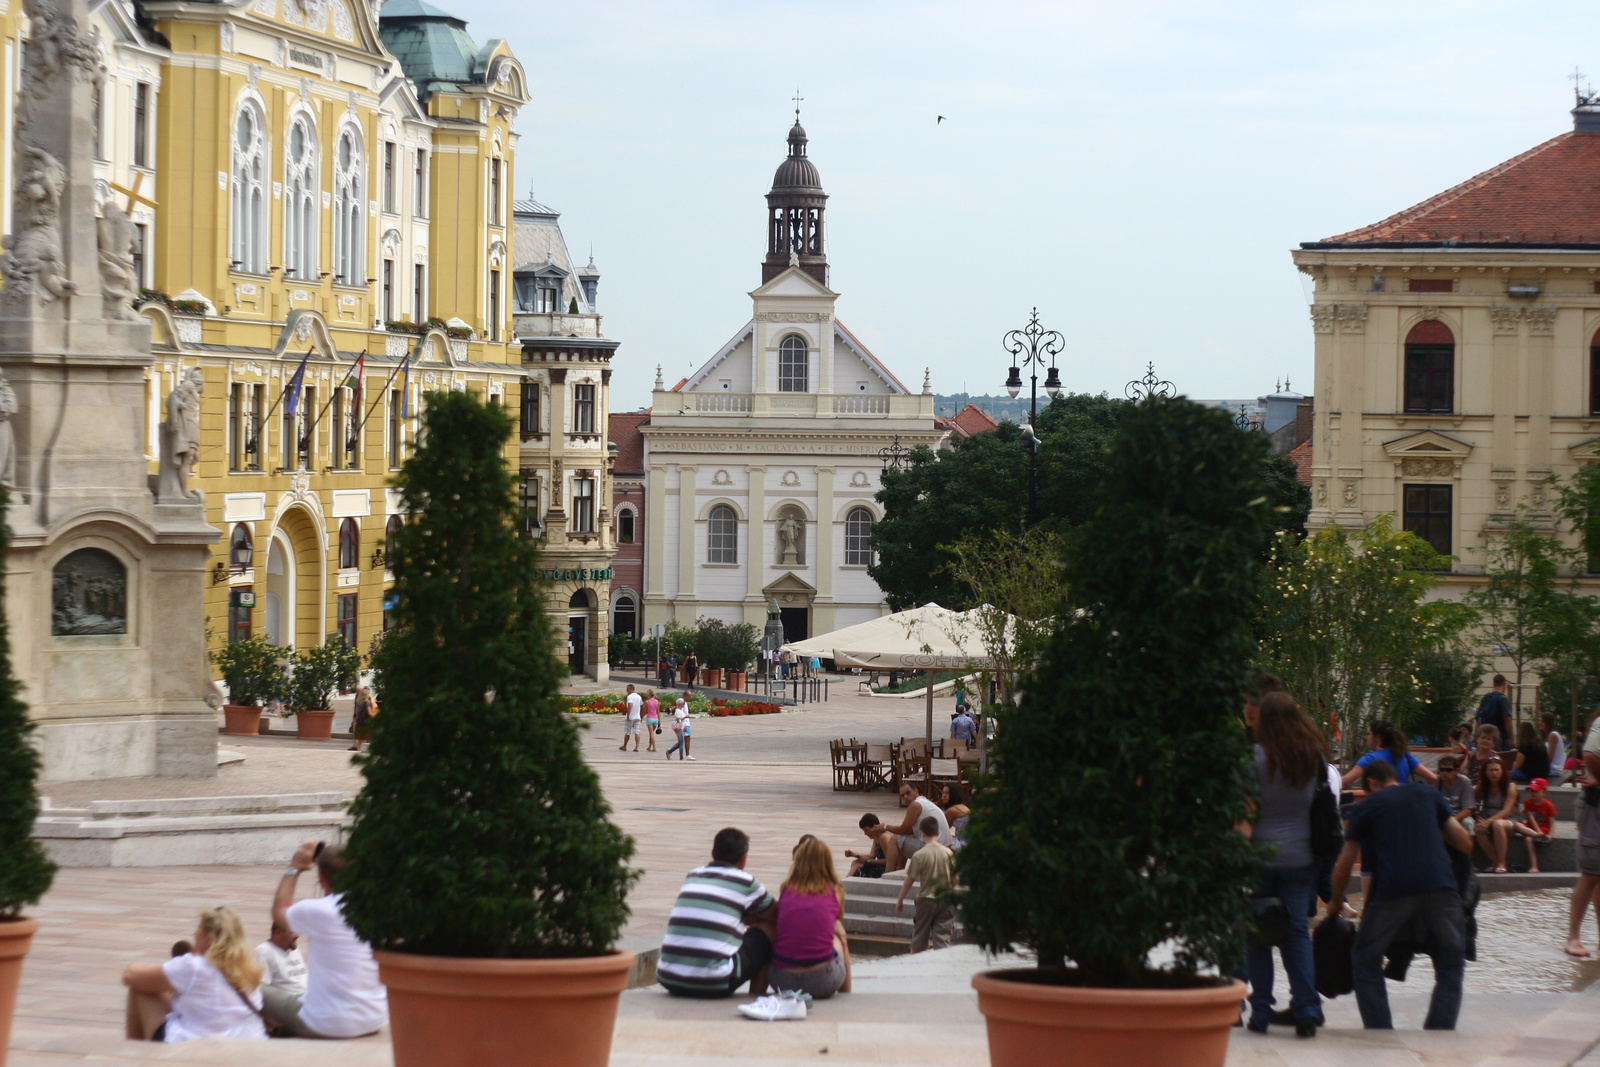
(795, 207)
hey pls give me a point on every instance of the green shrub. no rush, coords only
(319, 670)
(1444, 694)
(1100, 838)
(25, 868)
(480, 831)
(252, 671)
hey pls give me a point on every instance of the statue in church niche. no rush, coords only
(791, 540)
(89, 594)
(33, 254)
(114, 230)
(180, 440)
(8, 444)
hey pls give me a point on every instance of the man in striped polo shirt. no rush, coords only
(719, 934)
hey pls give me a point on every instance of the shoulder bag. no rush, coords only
(1327, 828)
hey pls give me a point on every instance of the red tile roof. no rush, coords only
(623, 430)
(968, 421)
(1545, 196)
(1300, 456)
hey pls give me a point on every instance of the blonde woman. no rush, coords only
(361, 721)
(810, 953)
(214, 991)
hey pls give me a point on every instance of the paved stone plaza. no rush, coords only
(1526, 1004)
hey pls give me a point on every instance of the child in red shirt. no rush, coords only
(1539, 821)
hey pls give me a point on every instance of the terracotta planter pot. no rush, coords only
(16, 937)
(735, 680)
(448, 1012)
(711, 677)
(1036, 1025)
(242, 720)
(313, 725)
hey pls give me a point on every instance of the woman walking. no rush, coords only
(811, 953)
(361, 723)
(214, 991)
(1388, 744)
(1497, 809)
(1290, 755)
(691, 668)
(652, 717)
(680, 726)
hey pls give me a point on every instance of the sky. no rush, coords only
(1136, 171)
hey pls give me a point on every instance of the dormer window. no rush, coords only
(793, 360)
(547, 297)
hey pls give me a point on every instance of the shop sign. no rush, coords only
(572, 574)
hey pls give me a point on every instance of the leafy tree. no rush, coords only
(1344, 619)
(1162, 586)
(1291, 497)
(1526, 608)
(480, 831)
(1578, 501)
(1442, 694)
(25, 868)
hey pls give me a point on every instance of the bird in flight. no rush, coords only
(940, 119)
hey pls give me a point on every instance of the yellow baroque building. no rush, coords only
(330, 196)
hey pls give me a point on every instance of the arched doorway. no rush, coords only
(581, 609)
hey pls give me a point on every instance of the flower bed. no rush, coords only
(721, 708)
(617, 704)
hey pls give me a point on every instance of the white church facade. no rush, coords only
(761, 468)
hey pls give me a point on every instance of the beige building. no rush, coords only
(1458, 352)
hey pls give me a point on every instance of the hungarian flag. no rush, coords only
(405, 388)
(296, 386)
(357, 376)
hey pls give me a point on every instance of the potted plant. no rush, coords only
(484, 868)
(254, 678)
(1161, 591)
(735, 646)
(317, 672)
(25, 868)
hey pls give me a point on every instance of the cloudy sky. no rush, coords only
(1136, 171)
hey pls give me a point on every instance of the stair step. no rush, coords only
(863, 946)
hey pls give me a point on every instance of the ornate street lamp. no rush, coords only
(895, 455)
(1028, 347)
(1149, 385)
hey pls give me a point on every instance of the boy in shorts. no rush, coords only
(1539, 821)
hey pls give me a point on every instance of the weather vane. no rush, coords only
(1150, 385)
(894, 455)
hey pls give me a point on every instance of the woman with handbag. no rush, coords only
(1290, 757)
(361, 721)
(214, 991)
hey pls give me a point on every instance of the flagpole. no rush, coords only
(382, 390)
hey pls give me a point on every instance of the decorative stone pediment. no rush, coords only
(1428, 454)
(790, 590)
(1586, 453)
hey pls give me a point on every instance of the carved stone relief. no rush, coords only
(858, 480)
(55, 48)
(1430, 314)
(790, 478)
(792, 316)
(1352, 318)
(89, 594)
(1322, 316)
(1427, 467)
(33, 254)
(1540, 320)
(1322, 492)
(1350, 493)
(1502, 494)
(721, 478)
(118, 283)
(1505, 319)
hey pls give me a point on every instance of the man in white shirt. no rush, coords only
(282, 965)
(343, 996)
(630, 728)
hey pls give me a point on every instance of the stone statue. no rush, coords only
(117, 282)
(33, 255)
(180, 440)
(791, 536)
(8, 447)
(54, 47)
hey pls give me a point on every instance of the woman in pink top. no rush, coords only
(810, 953)
(652, 717)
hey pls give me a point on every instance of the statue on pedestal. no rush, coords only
(114, 232)
(180, 440)
(8, 444)
(790, 541)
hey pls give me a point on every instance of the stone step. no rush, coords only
(864, 946)
(1519, 883)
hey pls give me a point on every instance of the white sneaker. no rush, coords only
(688, 757)
(786, 1005)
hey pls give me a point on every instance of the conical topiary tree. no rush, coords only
(1122, 771)
(25, 868)
(480, 831)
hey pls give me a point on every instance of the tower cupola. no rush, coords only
(795, 207)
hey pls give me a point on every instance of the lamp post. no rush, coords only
(1028, 347)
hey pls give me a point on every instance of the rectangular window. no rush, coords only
(347, 619)
(336, 410)
(530, 408)
(395, 434)
(388, 289)
(528, 501)
(252, 437)
(1430, 378)
(1427, 514)
(290, 436)
(494, 192)
(307, 445)
(1432, 285)
(583, 505)
(583, 409)
(141, 234)
(239, 615)
(388, 176)
(419, 293)
(494, 305)
(419, 186)
(141, 125)
(236, 426)
(547, 298)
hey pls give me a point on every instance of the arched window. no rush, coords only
(722, 536)
(300, 202)
(390, 529)
(248, 192)
(1594, 374)
(625, 532)
(793, 360)
(858, 538)
(1430, 368)
(241, 548)
(349, 212)
(624, 618)
(349, 544)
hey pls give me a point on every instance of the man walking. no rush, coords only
(1495, 709)
(1401, 832)
(630, 728)
(1588, 888)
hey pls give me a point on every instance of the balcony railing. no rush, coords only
(793, 405)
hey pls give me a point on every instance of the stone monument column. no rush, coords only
(107, 565)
